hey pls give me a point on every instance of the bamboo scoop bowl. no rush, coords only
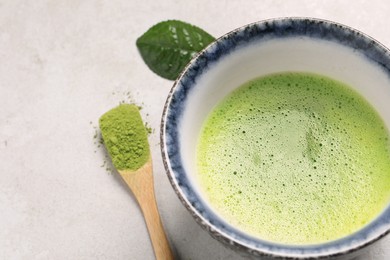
(139, 180)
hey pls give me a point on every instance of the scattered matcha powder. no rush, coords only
(126, 97)
(98, 141)
(125, 137)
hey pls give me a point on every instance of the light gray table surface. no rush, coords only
(63, 64)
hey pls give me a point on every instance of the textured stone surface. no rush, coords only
(63, 64)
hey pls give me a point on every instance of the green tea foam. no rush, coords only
(295, 158)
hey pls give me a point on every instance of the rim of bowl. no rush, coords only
(259, 247)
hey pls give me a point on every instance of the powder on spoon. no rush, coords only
(125, 137)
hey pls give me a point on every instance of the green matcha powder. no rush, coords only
(125, 137)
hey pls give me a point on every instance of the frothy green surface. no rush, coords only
(295, 158)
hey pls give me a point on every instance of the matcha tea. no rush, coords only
(295, 158)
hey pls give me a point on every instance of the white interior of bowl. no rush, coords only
(271, 56)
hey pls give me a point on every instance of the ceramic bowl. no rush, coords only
(270, 46)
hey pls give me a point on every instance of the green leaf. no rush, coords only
(168, 46)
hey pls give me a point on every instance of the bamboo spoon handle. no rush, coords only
(141, 184)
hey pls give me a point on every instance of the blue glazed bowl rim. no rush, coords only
(170, 144)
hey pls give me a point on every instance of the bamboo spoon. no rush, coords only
(125, 137)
